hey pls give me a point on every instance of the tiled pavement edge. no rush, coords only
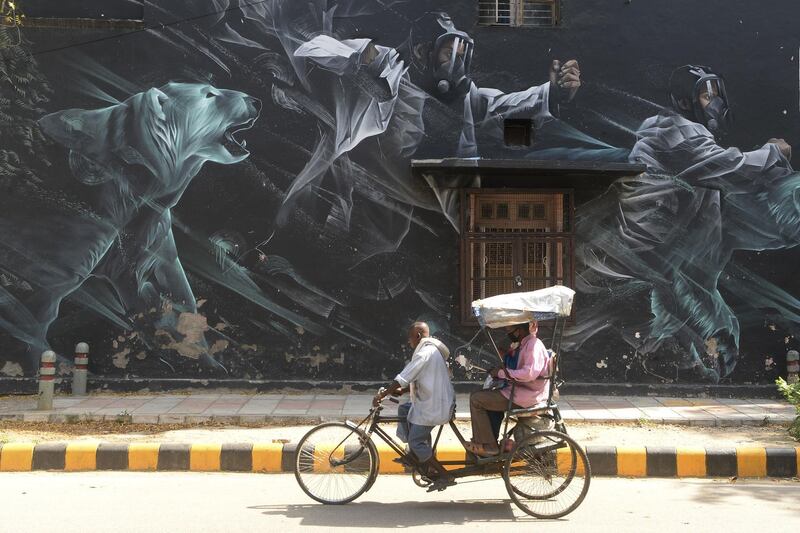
(258, 408)
(274, 457)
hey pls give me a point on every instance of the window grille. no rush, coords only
(515, 242)
(526, 13)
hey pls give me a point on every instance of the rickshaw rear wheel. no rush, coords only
(335, 463)
(547, 475)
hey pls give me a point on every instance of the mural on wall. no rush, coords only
(302, 250)
(136, 159)
(671, 232)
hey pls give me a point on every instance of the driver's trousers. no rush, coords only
(480, 403)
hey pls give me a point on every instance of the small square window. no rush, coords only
(521, 13)
(517, 132)
(487, 210)
(524, 211)
(502, 211)
(539, 211)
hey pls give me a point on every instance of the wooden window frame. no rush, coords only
(467, 238)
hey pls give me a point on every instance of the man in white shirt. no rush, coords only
(427, 378)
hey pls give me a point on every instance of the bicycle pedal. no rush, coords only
(403, 461)
(439, 485)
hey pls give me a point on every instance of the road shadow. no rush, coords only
(770, 491)
(399, 514)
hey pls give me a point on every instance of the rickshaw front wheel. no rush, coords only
(547, 474)
(335, 463)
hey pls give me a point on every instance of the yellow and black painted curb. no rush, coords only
(644, 461)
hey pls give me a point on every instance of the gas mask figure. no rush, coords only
(699, 95)
(676, 227)
(445, 62)
(440, 56)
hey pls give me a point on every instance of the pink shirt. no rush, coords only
(533, 359)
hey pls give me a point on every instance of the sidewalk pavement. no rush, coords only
(259, 408)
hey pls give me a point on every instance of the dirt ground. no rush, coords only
(642, 434)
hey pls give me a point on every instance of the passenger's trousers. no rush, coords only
(479, 403)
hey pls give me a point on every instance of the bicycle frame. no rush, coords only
(470, 465)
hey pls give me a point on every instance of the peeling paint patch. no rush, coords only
(601, 364)
(120, 359)
(712, 348)
(218, 346)
(193, 327)
(11, 369)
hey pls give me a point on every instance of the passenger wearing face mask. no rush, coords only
(510, 359)
(674, 228)
(531, 382)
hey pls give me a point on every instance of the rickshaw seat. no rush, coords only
(539, 409)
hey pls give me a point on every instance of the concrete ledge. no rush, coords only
(750, 462)
(316, 418)
(29, 385)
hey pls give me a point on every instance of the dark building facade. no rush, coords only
(274, 190)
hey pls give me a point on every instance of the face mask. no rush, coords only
(451, 78)
(717, 115)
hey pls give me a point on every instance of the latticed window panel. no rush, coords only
(516, 242)
(525, 13)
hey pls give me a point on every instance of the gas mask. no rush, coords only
(717, 114)
(449, 64)
(691, 83)
(441, 56)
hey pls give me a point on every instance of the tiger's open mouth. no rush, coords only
(234, 146)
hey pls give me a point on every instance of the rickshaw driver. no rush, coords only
(528, 391)
(427, 378)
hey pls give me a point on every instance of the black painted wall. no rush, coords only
(279, 293)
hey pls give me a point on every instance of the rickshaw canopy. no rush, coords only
(518, 307)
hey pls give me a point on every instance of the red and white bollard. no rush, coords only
(79, 373)
(47, 375)
(792, 366)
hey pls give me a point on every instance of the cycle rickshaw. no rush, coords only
(546, 472)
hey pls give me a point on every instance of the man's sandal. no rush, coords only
(480, 450)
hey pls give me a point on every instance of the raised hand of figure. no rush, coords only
(783, 146)
(567, 77)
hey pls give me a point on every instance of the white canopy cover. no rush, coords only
(518, 307)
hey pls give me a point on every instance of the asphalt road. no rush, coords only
(176, 502)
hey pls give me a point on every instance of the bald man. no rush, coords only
(432, 399)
